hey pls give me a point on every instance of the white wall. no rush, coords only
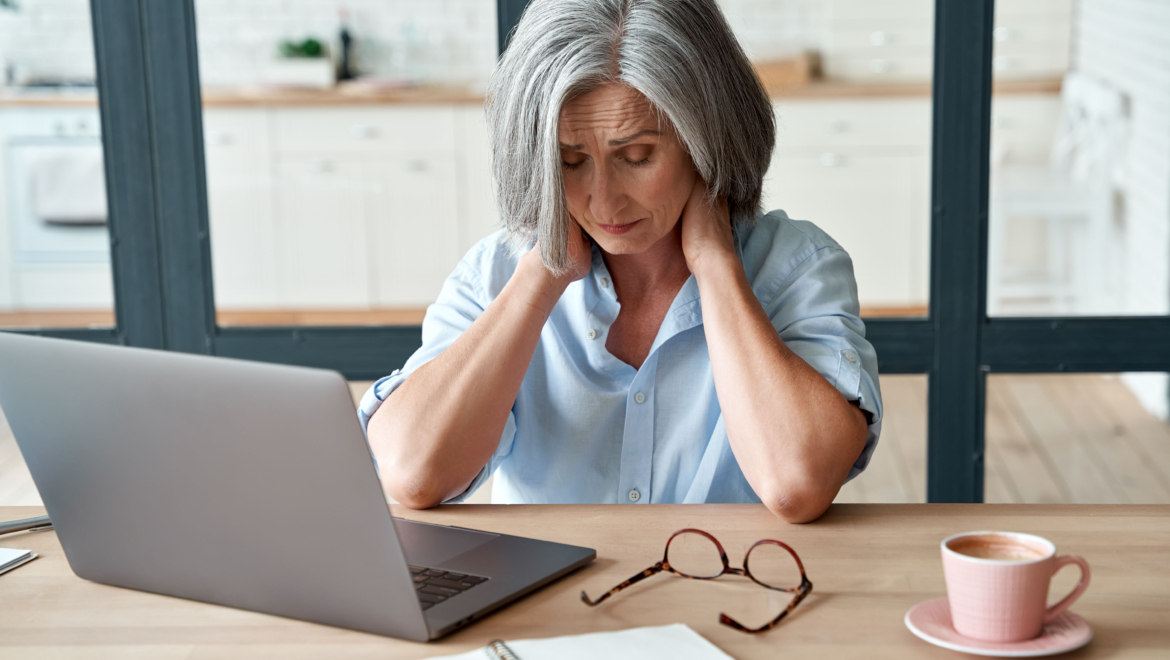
(1125, 43)
(449, 40)
(436, 40)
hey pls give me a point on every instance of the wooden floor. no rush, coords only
(1050, 439)
(1070, 438)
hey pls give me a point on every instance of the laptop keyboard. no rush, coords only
(434, 585)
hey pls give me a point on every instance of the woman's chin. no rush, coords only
(622, 244)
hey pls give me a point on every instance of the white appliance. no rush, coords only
(55, 248)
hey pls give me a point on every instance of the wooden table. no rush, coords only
(869, 563)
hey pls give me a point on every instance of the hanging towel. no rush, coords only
(68, 184)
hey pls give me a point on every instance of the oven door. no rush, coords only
(57, 205)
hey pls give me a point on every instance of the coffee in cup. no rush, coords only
(997, 584)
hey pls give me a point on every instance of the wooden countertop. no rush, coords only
(431, 95)
(869, 564)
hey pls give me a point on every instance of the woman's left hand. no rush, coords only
(706, 229)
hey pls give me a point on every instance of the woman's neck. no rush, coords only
(661, 268)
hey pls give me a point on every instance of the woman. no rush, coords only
(639, 332)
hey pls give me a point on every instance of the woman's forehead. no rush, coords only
(610, 108)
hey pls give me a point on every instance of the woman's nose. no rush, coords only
(606, 198)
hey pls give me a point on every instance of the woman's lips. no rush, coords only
(619, 229)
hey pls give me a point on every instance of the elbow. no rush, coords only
(412, 497)
(798, 505)
(405, 477)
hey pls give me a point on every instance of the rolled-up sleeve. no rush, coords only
(460, 302)
(816, 312)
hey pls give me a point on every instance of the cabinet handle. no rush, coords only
(1002, 33)
(363, 132)
(830, 159)
(878, 38)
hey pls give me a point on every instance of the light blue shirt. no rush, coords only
(589, 428)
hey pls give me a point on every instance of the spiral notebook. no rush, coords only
(674, 642)
(10, 558)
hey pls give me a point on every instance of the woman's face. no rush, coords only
(627, 179)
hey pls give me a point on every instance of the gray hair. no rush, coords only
(680, 54)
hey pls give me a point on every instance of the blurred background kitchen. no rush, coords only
(348, 172)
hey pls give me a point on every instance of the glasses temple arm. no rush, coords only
(656, 568)
(803, 590)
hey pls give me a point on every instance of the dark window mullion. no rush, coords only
(959, 183)
(129, 163)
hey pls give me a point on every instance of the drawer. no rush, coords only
(1010, 30)
(365, 129)
(236, 143)
(1023, 67)
(1023, 128)
(853, 123)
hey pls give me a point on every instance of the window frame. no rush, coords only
(151, 113)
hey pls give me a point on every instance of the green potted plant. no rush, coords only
(300, 63)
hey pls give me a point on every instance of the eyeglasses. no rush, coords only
(698, 556)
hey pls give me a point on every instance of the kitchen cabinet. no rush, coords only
(360, 207)
(325, 206)
(860, 170)
(415, 233)
(240, 187)
(479, 216)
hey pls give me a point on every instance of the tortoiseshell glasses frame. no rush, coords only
(801, 590)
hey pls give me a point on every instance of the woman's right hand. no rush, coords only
(551, 286)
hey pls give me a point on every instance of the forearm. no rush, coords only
(793, 434)
(438, 429)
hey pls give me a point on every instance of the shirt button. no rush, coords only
(592, 334)
(640, 398)
(851, 357)
(635, 495)
(605, 282)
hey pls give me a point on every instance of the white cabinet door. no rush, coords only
(478, 213)
(415, 229)
(239, 197)
(324, 208)
(875, 205)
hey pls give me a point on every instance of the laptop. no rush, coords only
(244, 484)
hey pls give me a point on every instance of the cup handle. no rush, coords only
(1059, 608)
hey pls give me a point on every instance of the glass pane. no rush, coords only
(343, 197)
(897, 470)
(54, 246)
(1080, 159)
(1079, 438)
(851, 86)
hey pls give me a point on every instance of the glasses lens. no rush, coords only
(772, 565)
(694, 555)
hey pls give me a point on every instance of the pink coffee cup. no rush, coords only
(997, 584)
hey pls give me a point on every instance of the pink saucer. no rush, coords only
(931, 621)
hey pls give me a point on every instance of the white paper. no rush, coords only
(674, 642)
(11, 558)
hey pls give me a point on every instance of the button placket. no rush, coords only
(634, 480)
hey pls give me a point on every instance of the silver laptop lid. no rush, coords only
(230, 482)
